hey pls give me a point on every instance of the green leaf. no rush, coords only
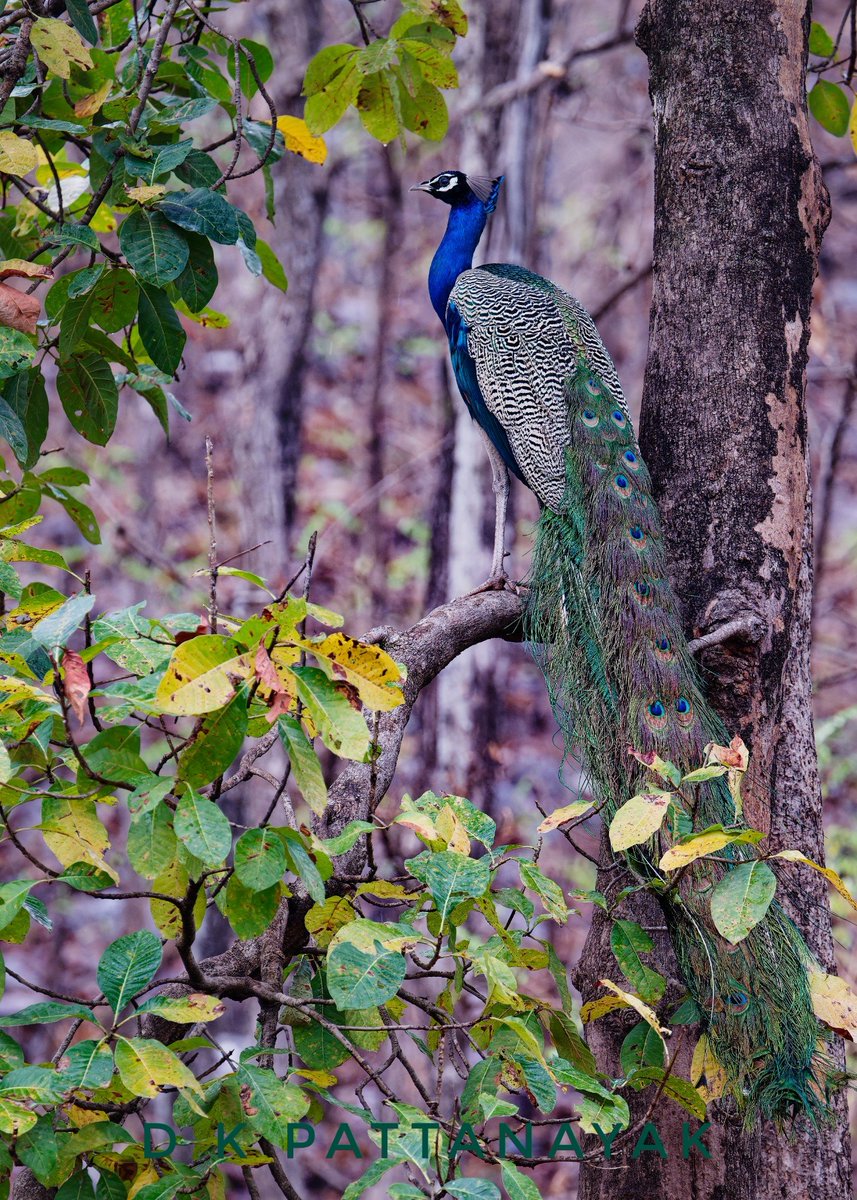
(86, 877)
(25, 394)
(820, 41)
(75, 322)
(178, 112)
(829, 105)
(273, 1103)
(216, 744)
(87, 1064)
(198, 281)
(453, 877)
(202, 211)
(741, 899)
(424, 113)
(331, 84)
(518, 1186)
(641, 1048)
(151, 842)
(42, 1084)
(203, 828)
(263, 61)
(114, 301)
(199, 170)
(341, 727)
(12, 430)
(549, 892)
(376, 107)
(155, 249)
(46, 1013)
(89, 396)
(12, 897)
(629, 941)
(55, 629)
(272, 268)
(70, 234)
(472, 1189)
(363, 979)
(81, 19)
(260, 859)
(17, 351)
(678, 1089)
(164, 160)
(160, 328)
(127, 966)
(306, 770)
(248, 912)
(78, 1187)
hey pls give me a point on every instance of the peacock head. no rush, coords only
(457, 189)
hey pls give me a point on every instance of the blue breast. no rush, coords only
(468, 384)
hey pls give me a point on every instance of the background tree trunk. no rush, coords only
(740, 209)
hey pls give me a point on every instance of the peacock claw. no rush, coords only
(499, 582)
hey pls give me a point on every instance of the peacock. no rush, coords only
(603, 621)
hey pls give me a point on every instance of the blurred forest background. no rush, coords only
(331, 410)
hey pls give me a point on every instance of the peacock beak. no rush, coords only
(425, 186)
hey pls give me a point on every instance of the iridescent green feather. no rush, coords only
(604, 624)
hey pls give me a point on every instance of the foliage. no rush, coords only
(122, 735)
(833, 103)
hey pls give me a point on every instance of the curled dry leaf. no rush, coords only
(75, 683)
(735, 755)
(24, 270)
(18, 310)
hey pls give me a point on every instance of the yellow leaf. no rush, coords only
(560, 815)
(384, 890)
(59, 47)
(300, 141)
(17, 155)
(828, 873)
(90, 105)
(852, 126)
(14, 1118)
(325, 920)
(149, 191)
(322, 1078)
(594, 1009)
(834, 1003)
(73, 832)
(202, 675)
(698, 847)
(145, 1066)
(638, 819)
(706, 1074)
(420, 823)
(369, 669)
(25, 270)
(173, 882)
(648, 1014)
(452, 831)
(104, 220)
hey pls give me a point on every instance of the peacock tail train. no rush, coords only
(603, 621)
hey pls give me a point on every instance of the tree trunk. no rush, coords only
(740, 210)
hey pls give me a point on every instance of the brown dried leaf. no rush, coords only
(24, 269)
(75, 683)
(18, 310)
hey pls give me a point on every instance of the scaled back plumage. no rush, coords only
(604, 624)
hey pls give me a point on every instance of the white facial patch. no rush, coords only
(451, 182)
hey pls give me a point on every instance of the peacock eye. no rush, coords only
(588, 417)
(593, 386)
(619, 417)
(684, 710)
(663, 644)
(656, 709)
(621, 484)
(642, 588)
(738, 1002)
(638, 537)
(656, 715)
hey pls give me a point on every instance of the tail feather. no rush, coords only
(604, 624)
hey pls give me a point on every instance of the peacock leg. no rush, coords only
(498, 579)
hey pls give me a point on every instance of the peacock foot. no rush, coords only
(498, 582)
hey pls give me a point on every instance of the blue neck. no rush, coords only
(455, 252)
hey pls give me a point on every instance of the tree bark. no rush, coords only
(740, 211)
